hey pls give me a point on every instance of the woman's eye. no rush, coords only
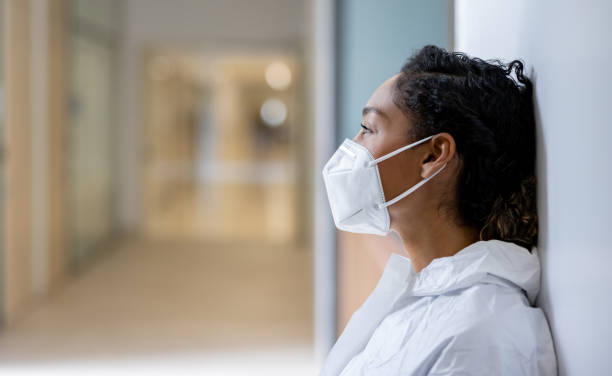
(365, 129)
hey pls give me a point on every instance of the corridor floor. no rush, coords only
(168, 308)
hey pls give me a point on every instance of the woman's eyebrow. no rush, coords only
(366, 110)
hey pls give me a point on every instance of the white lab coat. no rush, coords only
(467, 314)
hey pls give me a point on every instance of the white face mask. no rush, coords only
(355, 191)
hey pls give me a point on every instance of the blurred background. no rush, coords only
(162, 205)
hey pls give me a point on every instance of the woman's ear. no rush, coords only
(439, 150)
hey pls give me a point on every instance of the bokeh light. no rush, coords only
(278, 75)
(273, 112)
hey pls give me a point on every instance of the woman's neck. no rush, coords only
(434, 240)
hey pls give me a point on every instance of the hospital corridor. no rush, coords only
(165, 204)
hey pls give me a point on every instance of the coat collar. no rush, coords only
(492, 261)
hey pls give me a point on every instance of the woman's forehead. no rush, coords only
(382, 100)
(383, 95)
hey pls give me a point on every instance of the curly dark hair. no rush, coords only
(491, 117)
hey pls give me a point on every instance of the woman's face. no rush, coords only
(385, 128)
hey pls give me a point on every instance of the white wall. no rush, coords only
(188, 24)
(568, 48)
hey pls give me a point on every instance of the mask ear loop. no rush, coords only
(410, 190)
(396, 152)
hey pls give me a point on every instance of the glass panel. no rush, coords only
(90, 169)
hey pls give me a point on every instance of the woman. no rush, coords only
(461, 302)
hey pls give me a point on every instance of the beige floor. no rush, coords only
(173, 308)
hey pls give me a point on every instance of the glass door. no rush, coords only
(92, 118)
